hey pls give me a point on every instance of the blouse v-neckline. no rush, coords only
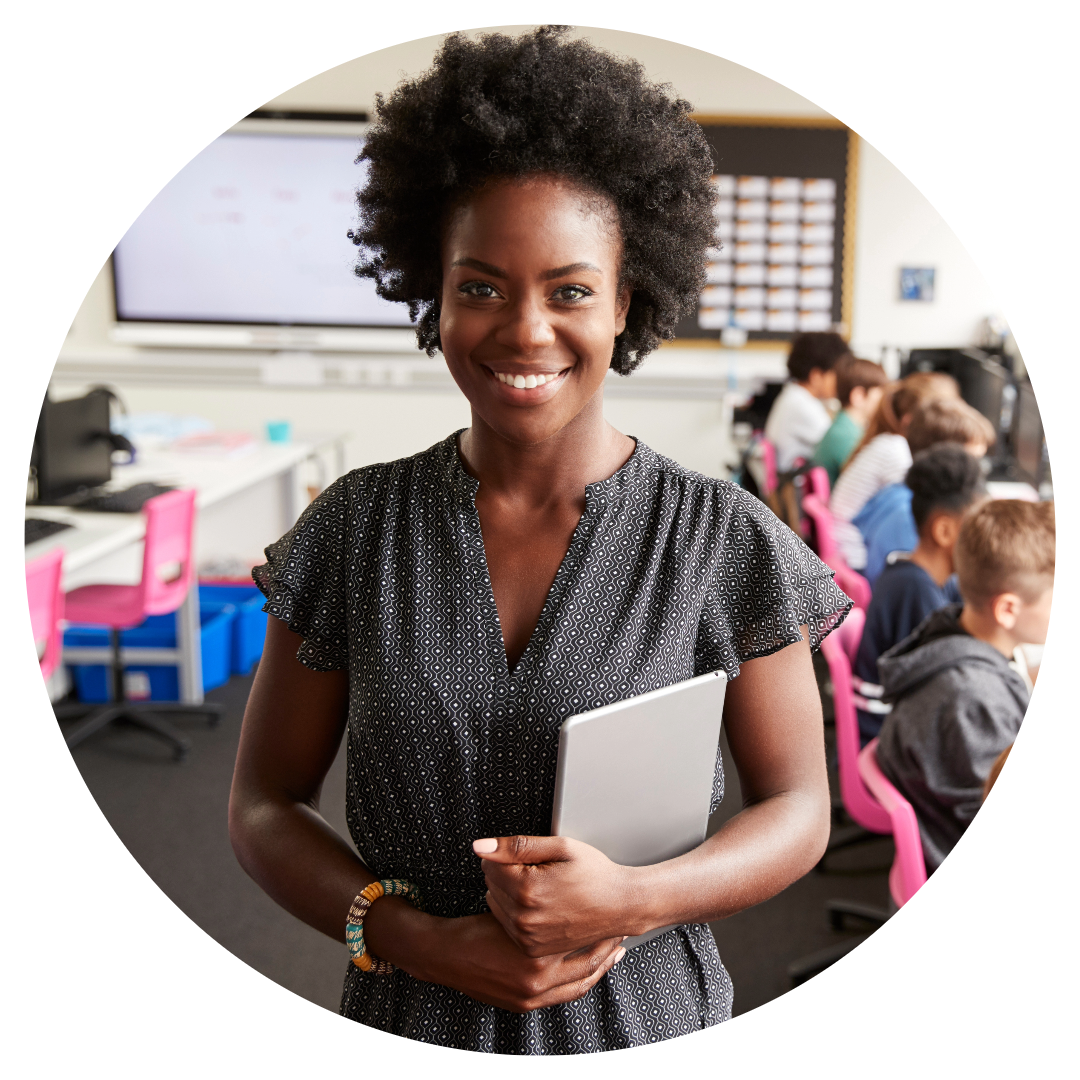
(598, 496)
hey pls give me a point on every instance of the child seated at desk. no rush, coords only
(959, 683)
(860, 385)
(886, 521)
(883, 456)
(942, 484)
(799, 419)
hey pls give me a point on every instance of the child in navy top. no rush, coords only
(944, 482)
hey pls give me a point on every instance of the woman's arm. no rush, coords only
(550, 893)
(292, 729)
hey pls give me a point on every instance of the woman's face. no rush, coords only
(530, 303)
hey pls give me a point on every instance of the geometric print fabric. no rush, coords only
(669, 574)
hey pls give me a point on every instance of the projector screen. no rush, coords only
(253, 230)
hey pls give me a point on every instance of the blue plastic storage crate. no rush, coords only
(249, 625)
(158, 631)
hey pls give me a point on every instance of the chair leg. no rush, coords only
(840, 909)
(211, 710)
(843, 837)
(73, 710)
(97, 720)
(801, 970)
(144, 719)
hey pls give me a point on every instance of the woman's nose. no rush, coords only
(527, 327)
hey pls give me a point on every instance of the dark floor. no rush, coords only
(172, 818)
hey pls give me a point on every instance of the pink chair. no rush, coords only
(168, 573)
(908, 873)
(768, 458)
(42, 606)
(964, 948)
(851, 581)
(817, 482)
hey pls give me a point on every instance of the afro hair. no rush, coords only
(500, 107)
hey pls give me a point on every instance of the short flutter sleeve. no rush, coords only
(304, 580)
(768, 584)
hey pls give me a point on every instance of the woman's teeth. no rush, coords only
(524, 382)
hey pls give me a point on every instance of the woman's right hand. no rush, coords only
(475, 955)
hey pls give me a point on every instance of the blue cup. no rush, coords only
(279, 431)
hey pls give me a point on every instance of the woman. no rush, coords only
(545, 212)
(882, 457)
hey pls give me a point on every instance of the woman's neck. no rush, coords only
(584, 451)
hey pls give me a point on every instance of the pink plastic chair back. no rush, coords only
(768, 458)
(838, 648)
(818, 512)
(908, 873)
(42, 608)
(168, 567)
(817, 483)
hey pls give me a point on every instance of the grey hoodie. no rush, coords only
(958, 703)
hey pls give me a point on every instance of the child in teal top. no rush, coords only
(859, 386)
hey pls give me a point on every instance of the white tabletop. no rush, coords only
(215, 479)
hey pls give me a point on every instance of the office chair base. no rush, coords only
(142, 714)
(802, 970)
(839, 910)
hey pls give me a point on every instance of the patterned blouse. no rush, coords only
(669, 574)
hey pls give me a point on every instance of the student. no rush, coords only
(886, 521)
(882, 458)
(860, 385)
(942, 483)
(958, 682)
(798, 419)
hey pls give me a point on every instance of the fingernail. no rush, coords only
(619, 953)
(485, 847)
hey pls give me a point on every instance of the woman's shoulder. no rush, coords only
(706, 494)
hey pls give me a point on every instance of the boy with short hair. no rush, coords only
(798, 418)
(885, 522)
(958, 684)
(943, 483)
(859, 386)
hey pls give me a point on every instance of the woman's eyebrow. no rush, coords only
(572, 268)
(547, 275)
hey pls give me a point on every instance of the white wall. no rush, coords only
(897, 227)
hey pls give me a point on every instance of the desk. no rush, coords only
(244, 503)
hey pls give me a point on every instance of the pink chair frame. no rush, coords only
(42, 606)
(838, 649)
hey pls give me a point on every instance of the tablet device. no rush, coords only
(635, 778)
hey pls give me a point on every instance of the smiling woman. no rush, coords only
(452, 609)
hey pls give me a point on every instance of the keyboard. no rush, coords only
(39, 528)
(128, 501)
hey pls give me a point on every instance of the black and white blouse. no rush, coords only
(669, 574)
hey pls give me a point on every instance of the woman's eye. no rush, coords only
(478, 288)
(572, 292)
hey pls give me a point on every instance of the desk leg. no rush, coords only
(188, 641)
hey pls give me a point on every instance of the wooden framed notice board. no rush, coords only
(785, 232)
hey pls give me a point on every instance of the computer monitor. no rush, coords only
(73, 447)
(984, 383)
(1029, 442)
(253, 230)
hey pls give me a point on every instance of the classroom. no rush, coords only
(844, 369)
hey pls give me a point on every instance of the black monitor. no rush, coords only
(1029, 443)
(985, 384)
(73, 447)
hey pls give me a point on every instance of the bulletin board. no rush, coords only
(785, 237)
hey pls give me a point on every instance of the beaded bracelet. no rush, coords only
(354, 927)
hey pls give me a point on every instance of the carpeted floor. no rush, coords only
(172, 818)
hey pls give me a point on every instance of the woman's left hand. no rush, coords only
(552, 894)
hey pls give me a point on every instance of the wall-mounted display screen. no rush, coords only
(779, 263)
(254, 230)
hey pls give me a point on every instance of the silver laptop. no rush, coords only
(635, 778)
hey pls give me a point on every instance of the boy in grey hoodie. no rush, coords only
(958, 682)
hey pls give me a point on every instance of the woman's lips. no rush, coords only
(536, 386)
